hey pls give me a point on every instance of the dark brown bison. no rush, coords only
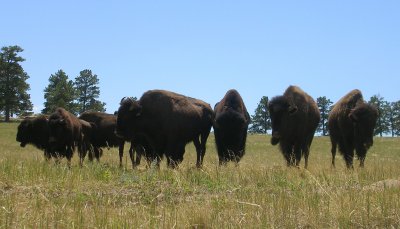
(351, 125)
(230, 127)
(35, 131)
(104, 136)
(168, 121)
(294, 118)
(66, 133)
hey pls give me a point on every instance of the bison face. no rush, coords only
(24, 132)
(364, 118)
(127, 116)
(280, 111)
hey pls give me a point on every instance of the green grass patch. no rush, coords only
(261, 192)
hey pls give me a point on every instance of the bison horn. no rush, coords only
(122, 100)
(353, 116)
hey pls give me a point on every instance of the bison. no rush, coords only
(351, 125)
(294, 118)
(66, 133)
(230, 127)
(35, 131)
(168, 121)
(104, 136)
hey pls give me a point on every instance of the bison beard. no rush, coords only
(351, 125)
(230, 127)
(294, 118)
(168, 121)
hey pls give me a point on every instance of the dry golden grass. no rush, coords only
(259, 193)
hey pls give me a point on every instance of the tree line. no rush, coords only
(83, 93)
(76, 96)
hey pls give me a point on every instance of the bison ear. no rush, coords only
(292, 109)
(353, 117)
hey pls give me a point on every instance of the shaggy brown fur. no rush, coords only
(66, 133)
(294, 118)
(230, 127)
(351, 125)
(168, 121)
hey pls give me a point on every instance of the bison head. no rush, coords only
(280, 111)
(364, 117)
(128, 114)
(57, 131)
(25, 132)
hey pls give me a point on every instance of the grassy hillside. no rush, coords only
(260, 193)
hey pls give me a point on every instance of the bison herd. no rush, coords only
(161, 123)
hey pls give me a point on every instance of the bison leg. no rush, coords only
(199, 152)
(90, 154)
(174, 152)
(203, 143)
(139, 149)
(333, 151)
(362, 159)
(361, 152)
(297, 155)
(139, 152)
(121, 152)
(287, 151)
(306, 152)
(132, 154)
(223, 161)
(223, 152)
(82, 150)
(97, 152)
(68, 154)
(348, 157)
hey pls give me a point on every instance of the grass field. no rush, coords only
(260, 193)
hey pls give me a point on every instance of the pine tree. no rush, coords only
(88, 91)
(395, 118)
(324, 106)
(59, 93)
(14, 98)
(383, 122)
(261, 121)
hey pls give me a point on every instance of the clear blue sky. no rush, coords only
(204, 48)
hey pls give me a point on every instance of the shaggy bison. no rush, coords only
(230, 127)
(66, 132)
(104, 136)
(35, 131)
(351, 125)
(168, 121)
(294, 118)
